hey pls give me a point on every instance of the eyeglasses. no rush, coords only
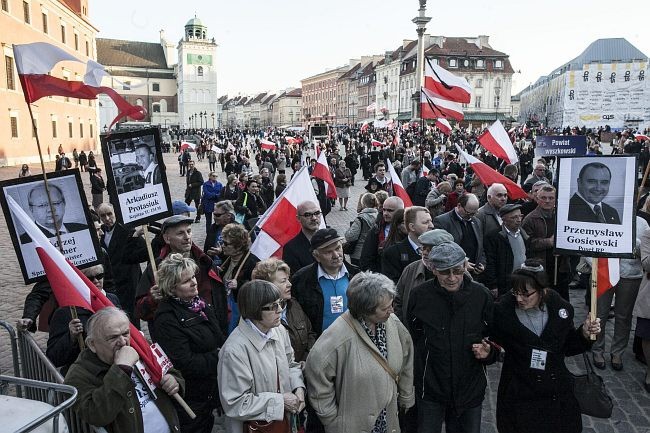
(95, 277)
(454, 271)
(277, 306)
(524, 295)
(312, 214)
(468, 212)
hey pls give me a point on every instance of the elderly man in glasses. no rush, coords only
(448, 318)
(297, 252)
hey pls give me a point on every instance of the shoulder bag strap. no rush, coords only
(380, 359)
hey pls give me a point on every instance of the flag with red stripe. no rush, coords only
(376, 143)
(398, 188)
(322, 171)
(443, 125)
(71, 288)
(608, 274)
(267, 145)
(495, 139)
(446, 84)
(433, 106)
(279, 223)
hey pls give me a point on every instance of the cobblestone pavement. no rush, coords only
(632, 403)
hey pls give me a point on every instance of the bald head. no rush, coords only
(497, 195)
(309, 216)
(390, 205)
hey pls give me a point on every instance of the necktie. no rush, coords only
(148, 178)
(599, 213)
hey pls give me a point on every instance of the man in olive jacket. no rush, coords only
(110, 393)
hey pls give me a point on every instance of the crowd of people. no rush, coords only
(387, 327)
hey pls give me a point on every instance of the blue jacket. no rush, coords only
(211, 194)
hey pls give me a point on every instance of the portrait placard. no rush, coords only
(137, 180)
(71, 215)
(595, 206)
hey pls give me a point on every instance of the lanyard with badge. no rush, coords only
(336, 301)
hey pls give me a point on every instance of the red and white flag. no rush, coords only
(71, 288)
(322, 171)
(398, 188)
(279, 223)
(191, 147)
(443, 125)
(433, 106)
(496, 140)
(396, 140)
(35, 61)
(365, 126)
(608, 274)
(292, 140)
(446, 84)
(376, 143)
(267, 145)
(488, 176)
(641, 137)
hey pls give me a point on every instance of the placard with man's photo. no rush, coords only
(136, 177)
(71, 216)
(596, 206)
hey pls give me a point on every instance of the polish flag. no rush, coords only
(187, 145)
(433, 106)
(446, 84)
(608, 274)
(364, 127)
(268, 145)
(443, 125)
(489, 176)
(398, 189)
(279, 223)
(71, 288)
(376, 143)
(291, 140)
(396, 140)
(496, 140)
(322, 171)
(641, 137)
(35, 61)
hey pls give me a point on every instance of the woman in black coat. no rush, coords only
(189, 333)
(535, 327)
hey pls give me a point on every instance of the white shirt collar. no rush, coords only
(266, 336)
(590, 205)
(511, 233)
(342, 272)
(415, 246)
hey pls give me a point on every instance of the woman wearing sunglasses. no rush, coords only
(259, 380)
(534, 325)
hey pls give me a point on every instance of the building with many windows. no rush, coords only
(605, 85)
(319, 95)
(69, 122)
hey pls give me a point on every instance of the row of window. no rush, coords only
(155, 87)
(13, 121)
(45, 23)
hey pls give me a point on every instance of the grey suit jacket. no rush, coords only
(449, 222)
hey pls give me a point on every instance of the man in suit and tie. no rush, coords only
(395, 258)
(126, 250)
(146, 159)
(586, 205)
(49, 222)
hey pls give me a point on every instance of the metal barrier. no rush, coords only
(61, 397)
(14, 355)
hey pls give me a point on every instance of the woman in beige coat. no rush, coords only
(361, 368)
(256, 358)
(642, 305)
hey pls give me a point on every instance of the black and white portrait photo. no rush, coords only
(137, 182)
(595, 206)
(68, 215)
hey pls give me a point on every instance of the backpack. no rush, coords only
(410, 190)
(349, 247)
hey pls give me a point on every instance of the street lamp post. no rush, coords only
(201, 116)
(497, 92)
(212, 115)
(420, 21)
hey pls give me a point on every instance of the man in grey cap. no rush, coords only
(418, 272)
(505, 250)
(448, 318)
(177, 234)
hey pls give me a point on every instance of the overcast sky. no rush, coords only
(273, 44)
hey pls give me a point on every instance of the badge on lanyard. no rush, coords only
(538, 359)
(336, 304)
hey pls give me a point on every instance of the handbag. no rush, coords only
(589, 390)
(241, 217)
(269, 426)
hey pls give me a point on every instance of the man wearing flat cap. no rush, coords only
(448, 317)
(177, 234)
(505, 250)
(321, 287)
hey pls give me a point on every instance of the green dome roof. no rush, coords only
(194, 22)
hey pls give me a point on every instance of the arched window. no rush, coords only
(163, 105)
(139, 102)
(199, 71)
(156, 107)
(193, 96)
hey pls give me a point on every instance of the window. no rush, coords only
(497, 99)
(497, 83)
(76, 42)
(70, 128)
(9, 66)
(477, 102)
(156, 108)
(498, 64)
(63, 33)
(81, 130)
(45, 28)
(155, 87)
(5, 5)
(92, 132)
(126, 85)
(199, 71)
(54, 133)
(14, 126)
(453, 63)
(480, 63)
(26, 12)
(87, 48)
(479, 83)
